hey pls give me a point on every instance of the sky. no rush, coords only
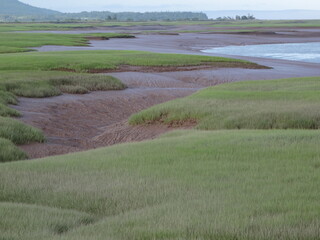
(173, 5)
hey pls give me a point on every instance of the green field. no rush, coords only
(272, 104)
(22, 42)
(86, 61)
(247, 184)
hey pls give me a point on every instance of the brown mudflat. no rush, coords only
(80, 122)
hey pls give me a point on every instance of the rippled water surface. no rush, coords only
(307, 52)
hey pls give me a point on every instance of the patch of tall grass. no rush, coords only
(5, 111)
(23, 42)
(276, 104)
(7, 97)
(10, 152)
(248, 184)
(87, 61)
(46, 84)
(19, 133)
(86, 82)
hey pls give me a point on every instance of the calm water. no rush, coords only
(307, 52)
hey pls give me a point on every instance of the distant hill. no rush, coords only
(279, 15)
(17, 8)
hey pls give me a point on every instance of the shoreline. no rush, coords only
(98, 119)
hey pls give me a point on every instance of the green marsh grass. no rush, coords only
(7, 97)
(22, 42)
(9, 152)
(86, 61)
(47, 84)
(6, 111)
(272, 104)
(87, 82)
(19, 133)
(37, 222)
(247, 184)
(39, 84)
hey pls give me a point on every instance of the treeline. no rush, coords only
(236, 18)
(137, 16)
(108, 16)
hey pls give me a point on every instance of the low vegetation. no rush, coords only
(48, 84)
(9, 152)
(210, 24)
(248, 184)
(5, 111)
(92, 61)
(276, 104)
(61, 26)
(13, 27)
(23, 42)
(96, 83)
(19, 133)
(40, 222)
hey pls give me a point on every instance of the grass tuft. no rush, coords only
(8, 112)
(47, 84)
(73, 89)
(9, 152)
(7, 97)
(31, 88)
(19, 133)
(85, 83)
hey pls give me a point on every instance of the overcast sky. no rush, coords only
(173, 5)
